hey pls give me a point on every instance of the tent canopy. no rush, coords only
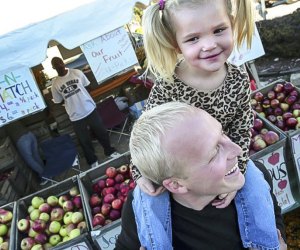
(24, 42)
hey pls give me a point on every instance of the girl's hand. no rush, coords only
(142, 248)
(282, 244)
(147, 187)
(224, 200)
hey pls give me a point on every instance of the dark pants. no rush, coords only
(94, 122)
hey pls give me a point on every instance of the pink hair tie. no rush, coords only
(161, 4)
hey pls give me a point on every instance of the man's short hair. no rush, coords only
(146, 141)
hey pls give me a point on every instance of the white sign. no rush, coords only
(244, 54)
(295, 140)
(275, 163)
(19, 95)
(107, 240)
(78, 246)
(110, 54)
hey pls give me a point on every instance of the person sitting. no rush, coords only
(184, 149)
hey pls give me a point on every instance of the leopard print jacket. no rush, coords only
(229, 104)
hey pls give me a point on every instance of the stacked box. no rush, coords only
(87, 179)
(7, 153)
(12, 208)
(285, 157)
(57, 190)
(7, 193)
(41, 130)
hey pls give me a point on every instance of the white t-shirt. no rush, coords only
(71, 89)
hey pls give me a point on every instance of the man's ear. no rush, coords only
(174, 186)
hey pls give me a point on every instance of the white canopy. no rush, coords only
(29, 26)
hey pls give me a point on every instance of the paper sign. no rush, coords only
(275, 163)
(295, 141)
(243, 54)
(19, 95)
(110, 54)
(78, 246)
(107, 240)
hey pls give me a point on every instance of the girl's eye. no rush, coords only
(194, 39)
(218, 31)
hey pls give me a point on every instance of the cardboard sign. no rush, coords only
(19, 95)
(107, 239)
(295, 142)
(275, 163)
(78, 246)
(110, 54)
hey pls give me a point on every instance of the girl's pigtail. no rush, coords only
(159, 44)
(244, 22)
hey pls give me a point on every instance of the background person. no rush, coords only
(69, 86)
(194, 165)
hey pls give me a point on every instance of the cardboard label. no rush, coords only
(275, 163)
(19, 95)
(295, 141)
(107, 240)
(78, 246)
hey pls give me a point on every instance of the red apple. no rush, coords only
(123, 169)
(117, 204)
(288, 87)
(114, 214)
(271, 94)
(278, 111)
(274, 103)
(280, 124)
(95, 200)
(266, 103)
(108, 198)
(119, 178)
(110, 190)
(294, 92)
(280, 96)
(77, 201)
(272, 118)
(290, 99)
(258, 124)
(287, 115)
(278, 88)
(110, 182)
(258, 96)
(271, 137)
(269, 111)
(296, 106)
(258, 108)
(291, 122)
(105, 208)
(111, 172)
(101, 183)
(39, 225)
(259, 144)
(98, 220)
(96, 210)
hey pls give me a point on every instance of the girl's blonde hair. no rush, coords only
(160, 34)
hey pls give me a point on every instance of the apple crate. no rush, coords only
(84, 242)
(91, 176)
(58, 189)
(12, 208)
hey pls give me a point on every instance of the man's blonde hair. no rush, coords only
(146, 141)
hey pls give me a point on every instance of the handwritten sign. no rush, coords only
(19, 95)
(244, 54)
(107, 240)
(275, 163)
(78, 246)
(110, 54)
(295, 141)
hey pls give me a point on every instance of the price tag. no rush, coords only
(295, 140)
(107, 239)
(275, 163)
(78, 246)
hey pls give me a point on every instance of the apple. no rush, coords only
(37, 201)
(272, 118)
(45, 208)
(47, 246)
(70, 227)
(74, 191)
(266, 103)
(117, 204)
(38, 225)
(63, 231)
(77, 217)
(35, 214)
(119, 178)
(74, 233)
(278, 111)
(96, 210)
(258, 96)
(278, 88)
(27, 243)
(32, 233)
(23, 225)
(271, 94)
(105, 208)
(296, 113)
(294, 92)
(95, 200)
(111, 172)
(288, 87)
(257, 125)
(5, 216)
(77, 201)
(66, 238)
(62, 199)
(280, 124)
(284, 106)
(37, 247)
(131, 184)
(259, 108)
(57, 214)
(45, 217)
(54, 239)
(52, 201)
(259, 144)
(109, 190)
(81, 225)
(68, 218)
(262, 114)
(114, 214)
(101, 183)
(4, 245)
(98, 221)
(123, 169)
(3, 229)
(296, 106)
(110, 182)
(108, 198)
(290, 99)
(54, 227)
(253, 103)
(30, 209)
(124, 190)
(271, 137)
(291, 122)
(287, 115)
(68, 206)
(280, 96)
(269, 111)
(41, 238)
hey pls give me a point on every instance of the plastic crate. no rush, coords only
(84, 241)
(57, 190)
(93, 175)
(12, 208)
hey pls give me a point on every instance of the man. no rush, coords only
(184, 149)
(69, 87)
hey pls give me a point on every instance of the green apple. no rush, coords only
(52, 200)
(37, 201)
(4, 245)
(77, 217)
(1, 239)
(35, 214)
(54, 227)
(44, 216)
(32, 233)
(37, 247)
(5, 216)
(30, 209)
(74, 233)
(66, 238)
(54, 239)
(63, 231)
(74, 191)
(68, 218)
(23, 225)
(47, 246)
(3, 229)
(62, 199)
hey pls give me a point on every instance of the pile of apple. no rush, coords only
(109, 194)
(261, 137)
(52, 220)
(5, 225)
(280, 105)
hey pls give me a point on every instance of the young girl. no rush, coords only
(187, 43)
